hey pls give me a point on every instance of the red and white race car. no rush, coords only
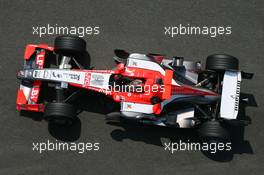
(149, 87)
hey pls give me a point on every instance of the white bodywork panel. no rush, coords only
(137, 107)
(98, 80)
(192, 76)
(26, 91)
(230, 95)
(184, 118)
(135, 61)
(145, 64)
(60, 75)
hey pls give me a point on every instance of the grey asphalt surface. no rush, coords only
(137, 26)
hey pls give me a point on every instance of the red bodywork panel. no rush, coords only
(164, 90)
(22, 102)
(31, 48)
(149, 76)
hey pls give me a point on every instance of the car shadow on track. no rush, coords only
(155, 135)
(60, 132)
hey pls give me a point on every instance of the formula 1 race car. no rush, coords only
(150, 88)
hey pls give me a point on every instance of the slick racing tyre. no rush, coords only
(60, 113)
(213, 131)
(221, 62)
(69, 45)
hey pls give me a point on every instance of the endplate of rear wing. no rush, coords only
(230, 95)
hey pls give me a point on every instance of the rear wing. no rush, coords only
(230, 95)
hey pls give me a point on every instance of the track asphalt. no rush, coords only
(137, 26)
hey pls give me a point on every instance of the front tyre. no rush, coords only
(69, 45)
(60, 113)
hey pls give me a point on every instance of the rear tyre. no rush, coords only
(213, 131)
(60, 113)
(69, 45)
(221, 62)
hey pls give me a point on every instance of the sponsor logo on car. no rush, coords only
(87, 79)
(97, 80)
(129, 106)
